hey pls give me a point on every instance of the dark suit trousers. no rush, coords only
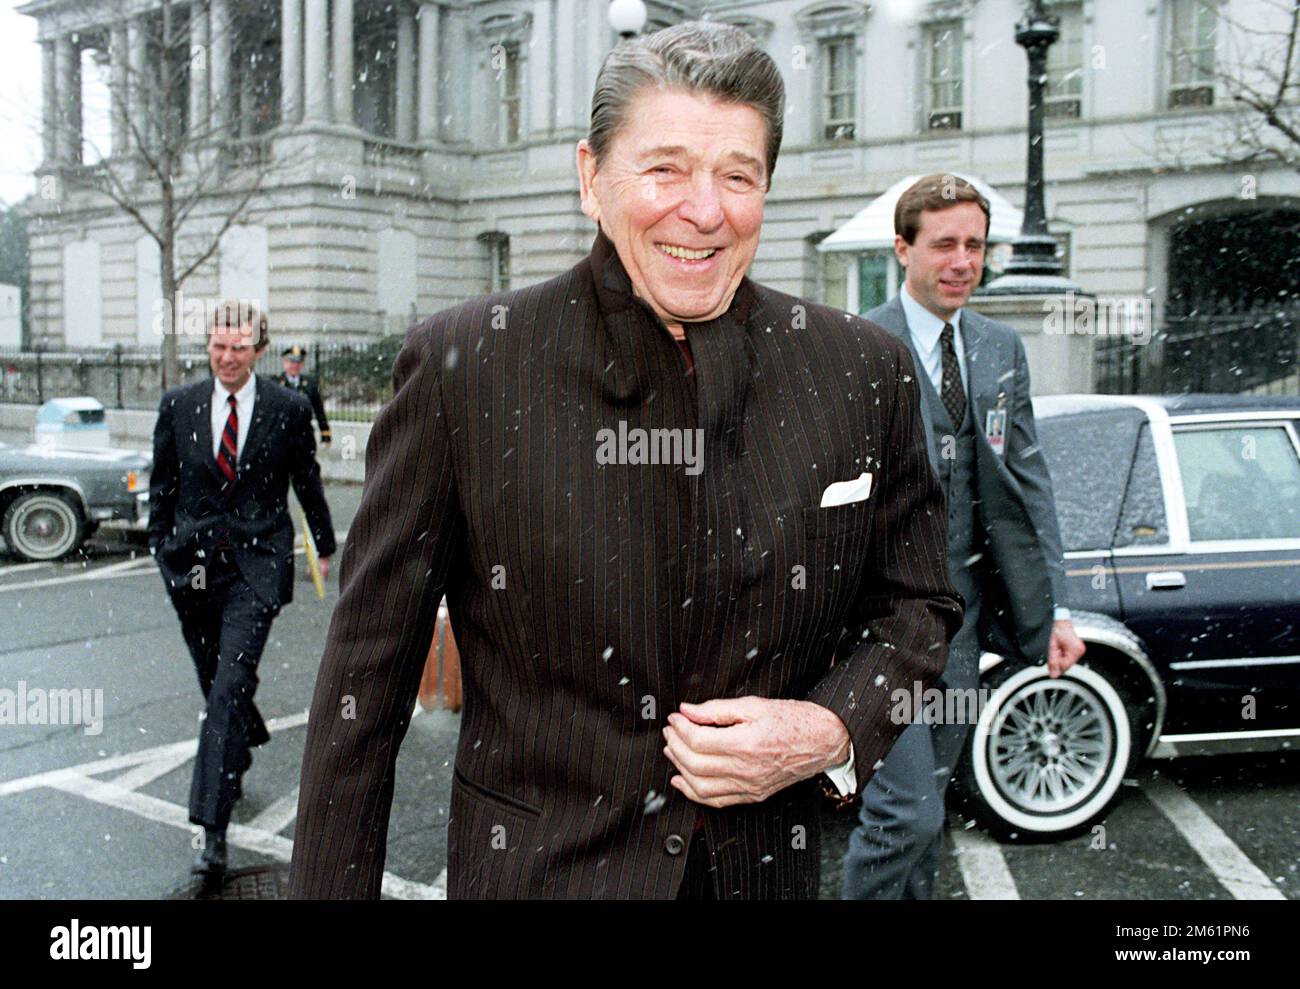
(893, 853)
(225, 626)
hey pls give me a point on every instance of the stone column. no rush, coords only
(222, 99)
(119, 88)
(74, 106)
(69, 89)
(342, 45)
(568, 105)
(460, 66)
(405, 75)
(290, 61)
(137, 106)
(427, 86)
(200, 57)
(536, 94)
(49, 104)
(247, 102)
(316, 63)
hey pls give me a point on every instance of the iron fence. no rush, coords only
(1256, 352)
(355, 379)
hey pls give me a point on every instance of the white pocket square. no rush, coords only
(847, 492)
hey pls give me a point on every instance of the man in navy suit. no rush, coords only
(1004, 544)
(225, 451)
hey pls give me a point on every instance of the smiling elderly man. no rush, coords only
(662, 664)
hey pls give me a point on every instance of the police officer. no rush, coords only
(295, 379)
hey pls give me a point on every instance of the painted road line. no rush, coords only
(131, 759)
(278, 814)
(147, 772)
(241, 835)
(983, 868)
(24, 567)
(126, 568)
(1234, 871)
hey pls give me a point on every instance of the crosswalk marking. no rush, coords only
(258, 835)
(279, 814)
(1237, 873)
(138, 567)
(983, 867)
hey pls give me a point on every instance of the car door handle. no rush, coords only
(1166, 580)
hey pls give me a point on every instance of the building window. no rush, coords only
(1193, 31)
(839, 88)
(499, 86)
(836, 268)
(1063, 93)
(943, 89)
(375, 53)
(498, 258)
(507, 68)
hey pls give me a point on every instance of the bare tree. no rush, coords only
(1263, 76)
(175, 163)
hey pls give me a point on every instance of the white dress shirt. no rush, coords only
(925, 328)
(221, 412)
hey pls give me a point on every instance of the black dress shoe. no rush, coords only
(210, 862)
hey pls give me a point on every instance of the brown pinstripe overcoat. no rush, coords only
(590, 599)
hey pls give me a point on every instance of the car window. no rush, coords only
(1087, 456)
(1142, 520)
(1240, 482)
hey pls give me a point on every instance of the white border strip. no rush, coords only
(1234, 871)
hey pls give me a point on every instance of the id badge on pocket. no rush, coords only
(995, 427)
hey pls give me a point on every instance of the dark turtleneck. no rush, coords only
(615, 291)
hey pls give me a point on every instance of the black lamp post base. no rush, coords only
(1032, 269)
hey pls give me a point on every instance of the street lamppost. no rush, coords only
(627, 17)
(1034, 251)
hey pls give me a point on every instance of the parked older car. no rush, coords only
(1180, 518)
(53, 499)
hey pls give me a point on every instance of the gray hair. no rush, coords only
(706, 57)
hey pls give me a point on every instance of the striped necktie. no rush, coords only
(228, 452)
(951, 390)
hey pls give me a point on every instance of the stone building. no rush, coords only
(424, 151)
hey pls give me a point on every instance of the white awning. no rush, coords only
(873, 227)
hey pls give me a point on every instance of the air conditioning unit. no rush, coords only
(945, 120)
(1065, 107)
(1186, 96)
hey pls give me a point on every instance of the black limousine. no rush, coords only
(1180, 519)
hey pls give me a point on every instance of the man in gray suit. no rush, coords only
(1004, 546)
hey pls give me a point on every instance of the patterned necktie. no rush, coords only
(951, 390)
(228, 452)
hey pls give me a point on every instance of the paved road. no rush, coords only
(103, 815)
